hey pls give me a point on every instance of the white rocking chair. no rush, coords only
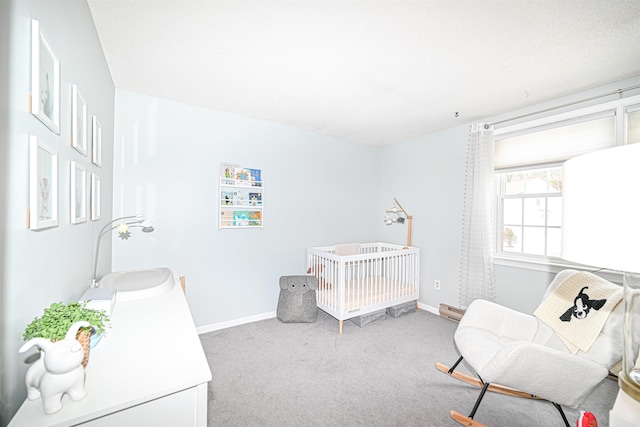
(512, 351)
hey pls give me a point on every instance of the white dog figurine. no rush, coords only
(59, 370)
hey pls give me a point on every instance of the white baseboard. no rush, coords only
(270, 315)
(236, 322)
(428, 308)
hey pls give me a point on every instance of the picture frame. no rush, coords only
(96, 142)
(43, 185)
(78, 121)
(45, 80)
(95, 197)
(78, 193)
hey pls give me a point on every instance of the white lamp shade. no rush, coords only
(601, 209)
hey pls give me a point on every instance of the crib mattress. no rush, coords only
(362, 292)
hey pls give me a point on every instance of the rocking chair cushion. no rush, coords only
(486, 327)
(539, 370)
(518, 350)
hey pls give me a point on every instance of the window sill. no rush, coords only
(553, 265)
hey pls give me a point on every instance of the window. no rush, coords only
(530, 209)
(528, 164)
(632, 129)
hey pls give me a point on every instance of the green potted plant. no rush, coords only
(58, 318)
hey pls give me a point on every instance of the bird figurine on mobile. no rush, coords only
(396, 218)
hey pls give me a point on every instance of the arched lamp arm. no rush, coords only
(110, 226)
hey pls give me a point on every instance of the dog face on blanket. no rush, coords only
(581, 306)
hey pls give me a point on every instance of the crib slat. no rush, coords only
(382, 275)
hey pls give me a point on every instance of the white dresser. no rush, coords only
(625, 411)
(149, 370)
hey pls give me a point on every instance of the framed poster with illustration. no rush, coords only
(95, 197)
(78, 121)
(43, 185)
(45, 80)
(96, 142)
(78, 193)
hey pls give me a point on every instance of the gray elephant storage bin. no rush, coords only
(297, 300)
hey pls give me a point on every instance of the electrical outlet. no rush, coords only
(436, 284)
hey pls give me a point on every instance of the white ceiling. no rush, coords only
(375, 72)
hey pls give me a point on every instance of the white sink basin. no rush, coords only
(139, 284)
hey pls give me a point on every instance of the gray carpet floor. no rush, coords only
(269, 373)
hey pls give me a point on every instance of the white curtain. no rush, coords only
(478, 230)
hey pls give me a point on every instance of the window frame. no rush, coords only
(619, 107)
(500, 223)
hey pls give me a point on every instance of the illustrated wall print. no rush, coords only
(45, 80)
(95, 197)
(43, 185)
(96, 141)
(78, 193)
(78, 121)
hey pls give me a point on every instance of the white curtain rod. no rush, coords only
(618, 92)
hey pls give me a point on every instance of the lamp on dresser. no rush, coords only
(123, 225)
(601, 227)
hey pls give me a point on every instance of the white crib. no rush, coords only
(374, 277)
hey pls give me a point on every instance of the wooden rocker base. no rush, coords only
(477, 383)
(464, 420)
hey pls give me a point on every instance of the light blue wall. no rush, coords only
(427, 176)
(41, 267)
(317, 191)
(5, 31)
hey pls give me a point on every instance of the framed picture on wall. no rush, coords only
(45, 80)
(78, 121)
(78, 192)
(96, 141)
(43, 185)
(95, 197)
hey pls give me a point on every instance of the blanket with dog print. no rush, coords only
(578, 308)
